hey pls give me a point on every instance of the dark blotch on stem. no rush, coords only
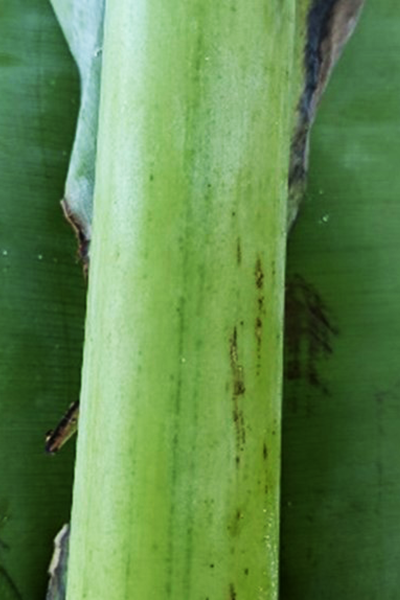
(259, 277)
(232, 592)
(238, 252)
(239, 389)
(259, 274)
(265, 451)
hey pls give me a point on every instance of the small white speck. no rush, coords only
(324, 218)
(183, 360)
(40, 256)
(207, 58)
(5, 252)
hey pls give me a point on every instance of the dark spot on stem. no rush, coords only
(265, 451)
(235, 522)
(239, 390)
(258, 332)
(259, 275)
(238, 252)
(232, 592)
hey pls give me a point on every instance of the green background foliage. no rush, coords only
(41, 290)
(341, 423)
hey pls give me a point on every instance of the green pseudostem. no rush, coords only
(177, 479)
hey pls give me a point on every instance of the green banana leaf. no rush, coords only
(41, 292)
(340, 520)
